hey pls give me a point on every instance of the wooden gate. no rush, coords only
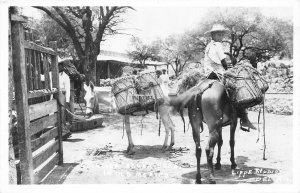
(37, 110)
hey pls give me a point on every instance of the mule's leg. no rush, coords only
(168, 124)
(220, 143)
(214, 123)
(212, 141)
(172, 128)
(232, 143)
(128, 132)
(96, 109)
(196, 122)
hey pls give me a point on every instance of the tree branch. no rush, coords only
(79, 16)
(50, 14)
(63, 16)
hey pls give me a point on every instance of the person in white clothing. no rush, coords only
(215, 65)
(165, 77)
(165, 82)
(64, 83)
(214, 60)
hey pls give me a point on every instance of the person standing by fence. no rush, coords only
(64, 83)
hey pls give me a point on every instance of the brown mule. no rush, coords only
(208, 102)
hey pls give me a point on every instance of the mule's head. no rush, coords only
(90, 99)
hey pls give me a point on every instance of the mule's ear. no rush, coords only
(92, 86)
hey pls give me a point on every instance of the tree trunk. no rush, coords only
(89, 69)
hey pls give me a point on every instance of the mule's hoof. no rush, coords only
(170, 147)
(164, 147)
(129, 149)
(217, 166)
(131, 152)
(172, 144)
(198, 181)
(211, 181)
(233, 166)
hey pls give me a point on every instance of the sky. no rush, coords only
(151, 22)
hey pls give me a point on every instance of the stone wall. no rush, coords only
(279, 75)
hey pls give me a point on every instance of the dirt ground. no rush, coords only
(98, 156)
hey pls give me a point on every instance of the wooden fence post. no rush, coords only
(11, 159)
(21, 98)
(55, 83)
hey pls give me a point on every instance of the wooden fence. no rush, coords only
(39, 115)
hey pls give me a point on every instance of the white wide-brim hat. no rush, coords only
(217, 27)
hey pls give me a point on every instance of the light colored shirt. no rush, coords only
(214, 53)
(64, 82)
(165, 79)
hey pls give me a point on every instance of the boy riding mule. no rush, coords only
(217, 105)
(215, 64)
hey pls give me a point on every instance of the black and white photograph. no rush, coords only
(150, 93)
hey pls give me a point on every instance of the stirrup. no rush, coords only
(247, 129)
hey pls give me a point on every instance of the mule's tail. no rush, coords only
(180, 102)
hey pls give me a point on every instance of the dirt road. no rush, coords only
(97, 156)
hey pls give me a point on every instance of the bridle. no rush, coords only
(89, 108)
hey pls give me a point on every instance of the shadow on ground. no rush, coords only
(244, 174)
(59, 174)
(155, 151)
(73, 140)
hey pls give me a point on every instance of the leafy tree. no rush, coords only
(252, 36)
(180, 50)
(142, 52)
(47, 30)
(87, 27)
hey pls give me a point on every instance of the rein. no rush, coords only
(264, 127)
(72, 114)
(264, 130)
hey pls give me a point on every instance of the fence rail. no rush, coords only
(33, 46)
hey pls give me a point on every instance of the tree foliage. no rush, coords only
(142, 52)
(176, 52)
(87, 27)
(252, 36)
(48, 30)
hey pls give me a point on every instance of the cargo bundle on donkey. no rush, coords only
(244, 86)
(134, 94)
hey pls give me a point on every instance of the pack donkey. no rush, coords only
(93, 98)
